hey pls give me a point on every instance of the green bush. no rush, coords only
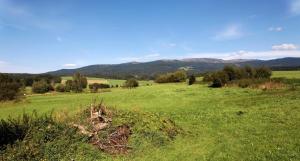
(263, 73)
(9, 88)
(243, 76)
(131, 83)
(95, 86)
(192, 80)
(178, 76)
(79, 82)
(41, 87)
(60, 88)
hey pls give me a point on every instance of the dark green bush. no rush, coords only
(243, 76)
(178, 76)
(79, 82)
(60, 88)
(9, 88)
(41, 87)
(192, 80)
(95, 86)
(131, 83)
(263, 73)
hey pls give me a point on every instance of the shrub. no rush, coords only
(131, 83)
(79, 82)
(68, 86)
(207, 77)
(41, 87)
(263, 72)
(9, 88)
(178, 76)
(244, 76)
(217, 83)
(95, 86)
(60, 88)
(192, 80)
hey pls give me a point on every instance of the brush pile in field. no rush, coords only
(100, 123)
(89, 134)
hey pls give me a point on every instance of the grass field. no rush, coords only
(113, 82)
(287, 74)
(218, 124)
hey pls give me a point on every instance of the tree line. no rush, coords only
(233, 73)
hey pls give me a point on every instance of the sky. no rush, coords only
(40, 35)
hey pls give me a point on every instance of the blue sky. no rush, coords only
(39, 35)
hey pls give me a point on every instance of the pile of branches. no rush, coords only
(99, 123)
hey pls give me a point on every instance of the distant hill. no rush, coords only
(193, 65)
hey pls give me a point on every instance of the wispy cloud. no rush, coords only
(284, 47)
(229, 33)
(17, 16)
(276, 29)
(69, 65)
(272, 54)
(295, 7)
(2, 63)
(148, 57)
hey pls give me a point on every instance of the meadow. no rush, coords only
(228, 123)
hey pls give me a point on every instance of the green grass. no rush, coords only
(287, 74)
(218, 124)
(113, 82)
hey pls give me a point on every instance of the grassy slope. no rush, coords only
(109, 81)
(287, 74)
(268, 129)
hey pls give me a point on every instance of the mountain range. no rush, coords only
(193, 65)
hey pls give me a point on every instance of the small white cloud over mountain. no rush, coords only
(285, 47)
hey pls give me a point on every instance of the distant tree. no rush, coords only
(60, 88)
(232, 72)
(220, 78)
(178, 76)
(41, 87)
(95, 86)
(68, 86)
(207, 77)
(9, 88)
(249, 72)
(192, 80)
(131, 83)
(263, 73)
(79, 82)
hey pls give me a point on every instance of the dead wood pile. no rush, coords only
(99, 123)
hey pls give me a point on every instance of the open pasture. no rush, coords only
(219, 124)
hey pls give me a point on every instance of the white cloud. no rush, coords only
(276, 29)
(70, 65)
(284, 47)
(295, 7)
(229, 33)
(3, 63)
(152, 55)
(148, 57)
(265, 55)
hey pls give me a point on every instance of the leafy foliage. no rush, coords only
(192, 80)
(178, 76)
(60, 88)
(231, 74)
(9, 88)
(41, 87)
(95, 86)
(131, 83)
